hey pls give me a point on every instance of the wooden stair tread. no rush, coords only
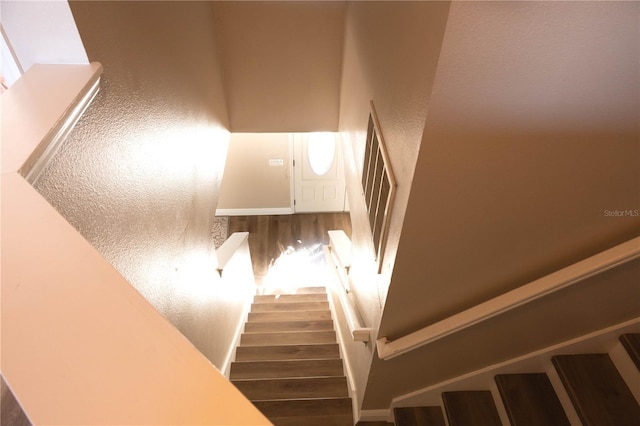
(631, 343)
(281, 352)
(418, 416)
(598, 392)
(288, 338)
(299, 290)
(290, 306)
(304, 387)
(469, 408)
(530, 400)
(290, 316)
(288, 362)
(275, 326)
(304, 407)
(287, 298)
(286, 368)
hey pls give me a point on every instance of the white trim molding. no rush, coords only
(527, 293)
(228, 249)
(254, 211)
(601, 341)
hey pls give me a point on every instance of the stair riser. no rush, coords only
(268, 389)
(282, 369)
(290, 306)
(298, 291)
(272, 353)
(289, 316)
(290, 338)
(274, 327)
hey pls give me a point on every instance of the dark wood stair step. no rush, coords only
(274, 353)
(471, 408)
(11, 413)
(314, 387)
(598, 392)
(418, 416)
(530, 400)
(301, 408)
(288, 338)
(631, 343)
(287, 368)
(288, 298)
(290, 316)
(275, 326)
(290, 306)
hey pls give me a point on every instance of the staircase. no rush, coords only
(597, 391)
(288, 361)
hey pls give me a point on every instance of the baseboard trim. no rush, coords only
(225, 368)
(254, 212)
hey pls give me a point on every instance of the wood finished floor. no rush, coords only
(269, 236)
(11, 413)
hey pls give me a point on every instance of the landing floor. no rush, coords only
(271, 236)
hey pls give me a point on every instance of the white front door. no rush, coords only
(319, 186)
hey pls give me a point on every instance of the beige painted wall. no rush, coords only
(139, 175)
(531, 136)
(391, 53)
(281, 63)
(77, 339)
(249, 181)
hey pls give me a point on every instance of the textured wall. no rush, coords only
(391, 53)
(139, 175)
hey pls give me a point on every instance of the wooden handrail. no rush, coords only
(537, 289)
(229, 248)
(340, 256)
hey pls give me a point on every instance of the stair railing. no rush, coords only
(226, 251)
(340, 256)
(528, 293)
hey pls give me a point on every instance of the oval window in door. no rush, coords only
(321, 151)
